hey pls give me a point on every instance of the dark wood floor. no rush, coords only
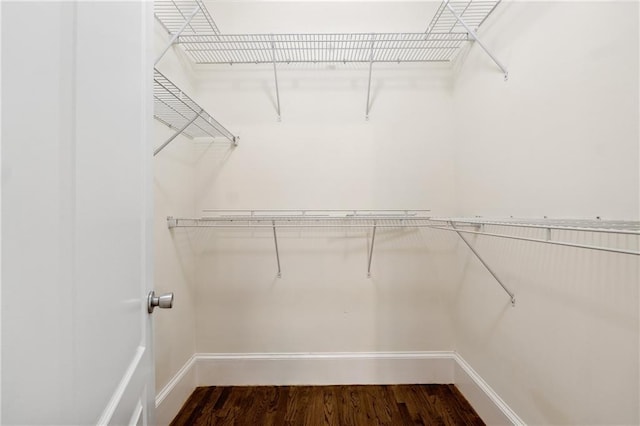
(327, 405)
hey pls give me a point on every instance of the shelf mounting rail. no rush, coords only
(181, 113)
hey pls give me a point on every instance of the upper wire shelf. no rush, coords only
(322, 48)
(474, 13)
(172, 14)
(454, 23)
(205, 44)
(178, 111)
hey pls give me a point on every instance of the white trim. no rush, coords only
(327, 355)
(110, 409)
(218, 369)
(325, 368)
(175, 381)
(174, 394)
(487, 403)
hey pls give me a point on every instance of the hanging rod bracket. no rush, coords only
(509, 292)
(175, 36)
(373, 239)
(474, 36)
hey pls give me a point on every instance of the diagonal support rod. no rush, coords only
(275, 240)
(373, 39)
(513, 297)
(182, 129)
(475, 38)
(373, 240)
(176, 35)
(275, 74)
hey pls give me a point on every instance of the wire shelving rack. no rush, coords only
(181, 113)
(172, 14)
(454, 24)
(552, 231)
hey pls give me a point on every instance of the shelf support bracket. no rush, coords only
(275, 74)
(177, 34)
(373, 39)
(511, 295)
(373, 240)
(275, 240)
(474, 36)
(175, 135)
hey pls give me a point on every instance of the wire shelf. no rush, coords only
(322, 48)
(176, 110)
(554, 230)
(204, 44)
(172, 14)
(586, 225)
(474, 13)
(390, 219)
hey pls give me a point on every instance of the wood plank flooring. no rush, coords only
(327, 405)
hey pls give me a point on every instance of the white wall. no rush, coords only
(324, 155)
(560, 138)
(174, 192)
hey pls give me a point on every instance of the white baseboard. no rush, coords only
(487, 403)
(332, 369)
(170, 399)
(325, 368)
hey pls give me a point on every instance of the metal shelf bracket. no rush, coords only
(175, 135)
(275, 74)
(275, 240)
(373, 40)
(473, 35)
(509, 292)
(373, 240)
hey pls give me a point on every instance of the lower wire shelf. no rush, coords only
(553, 231)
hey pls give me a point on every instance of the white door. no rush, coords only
(76, 213)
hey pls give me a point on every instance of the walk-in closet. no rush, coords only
(412, 200)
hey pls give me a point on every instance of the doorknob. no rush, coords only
(164, 301)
